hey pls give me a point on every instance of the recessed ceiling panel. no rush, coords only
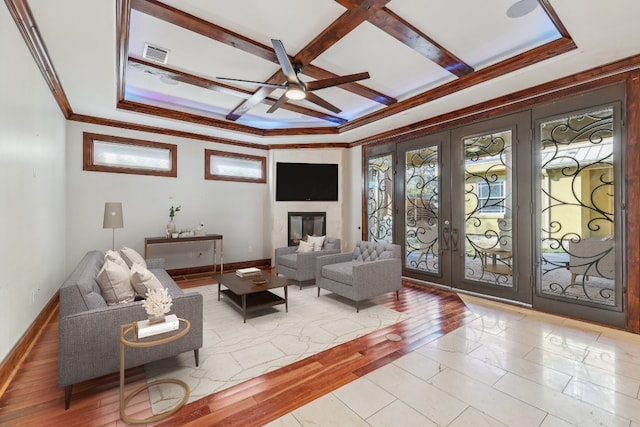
(478, 32)
(395, 68)
(295, 22)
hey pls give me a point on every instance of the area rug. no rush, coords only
(234, 351)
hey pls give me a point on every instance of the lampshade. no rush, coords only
(113, 215)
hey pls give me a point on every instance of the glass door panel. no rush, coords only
(421, 189)
(488, 231)
(578, 220)
(380, 198)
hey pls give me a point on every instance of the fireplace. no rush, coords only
(306, 223)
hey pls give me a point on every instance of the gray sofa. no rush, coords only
(302, 266)
(89, 329)
(370, 270)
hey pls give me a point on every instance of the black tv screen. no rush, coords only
(297, 182)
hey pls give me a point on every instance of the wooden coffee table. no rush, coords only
(248, 296)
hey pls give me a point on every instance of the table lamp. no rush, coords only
(113, 219)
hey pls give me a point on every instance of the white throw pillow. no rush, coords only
(305, 247)
(316, 241)
(115, 257)
(131, 257)
(114, 283)
(142, 280)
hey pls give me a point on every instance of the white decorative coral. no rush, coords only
(158, 302)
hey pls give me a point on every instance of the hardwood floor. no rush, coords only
(33, 397)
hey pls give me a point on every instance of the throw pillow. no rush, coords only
(316, 241)
(305, 247)
(114, 283)
(142, 280)
(115, 257)
(131, 257)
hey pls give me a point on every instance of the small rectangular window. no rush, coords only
(104, 153)
(221, 165)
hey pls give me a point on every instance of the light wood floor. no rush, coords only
(33, 397)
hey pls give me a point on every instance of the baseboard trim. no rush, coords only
(21, 350)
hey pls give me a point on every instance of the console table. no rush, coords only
(214, 238)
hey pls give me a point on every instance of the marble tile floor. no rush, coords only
(510, 366)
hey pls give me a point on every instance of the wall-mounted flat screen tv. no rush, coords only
(297, 182)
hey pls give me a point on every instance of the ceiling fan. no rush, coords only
(295, 88)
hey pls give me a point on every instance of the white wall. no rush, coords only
(233, 209)
(352, 208)
(32, 171)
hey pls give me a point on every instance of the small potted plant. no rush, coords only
(171, 227)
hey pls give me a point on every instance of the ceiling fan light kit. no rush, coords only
(295, 93)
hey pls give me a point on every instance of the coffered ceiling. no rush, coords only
(423, 57)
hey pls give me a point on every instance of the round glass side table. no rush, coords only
(129, 338)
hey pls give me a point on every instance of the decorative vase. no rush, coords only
(156, 319)
(171, 227)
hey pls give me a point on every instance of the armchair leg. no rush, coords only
(397, 295)
(67, 397)
(196, 354)
(357, 306)
(318, 290)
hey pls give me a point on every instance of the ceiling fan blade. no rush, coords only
(271, 85)
(286, 65)
(335, 81)
(279, 103)
(312, 97)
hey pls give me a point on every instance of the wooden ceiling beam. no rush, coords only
(406, 33)
(192, 23)
(386, 20)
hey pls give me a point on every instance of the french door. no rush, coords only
(526, 207)
(459, 208)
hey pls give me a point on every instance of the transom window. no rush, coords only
(225, 166)
(104, 153)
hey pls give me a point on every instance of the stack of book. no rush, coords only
(145, 329)
(251, 271)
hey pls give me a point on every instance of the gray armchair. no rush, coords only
(301, 266)
(370, 270)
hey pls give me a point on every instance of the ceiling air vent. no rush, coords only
(155, 53)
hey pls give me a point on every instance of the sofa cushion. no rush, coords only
(316, 241)
(142, 280)
(132, 257)
(289, 260)
(371, 251)
(329, 245)
(115, 257)
(305, 247)
(114, 282)
(341, 272)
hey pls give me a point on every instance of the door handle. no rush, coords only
(446, 236)
(454, 239)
